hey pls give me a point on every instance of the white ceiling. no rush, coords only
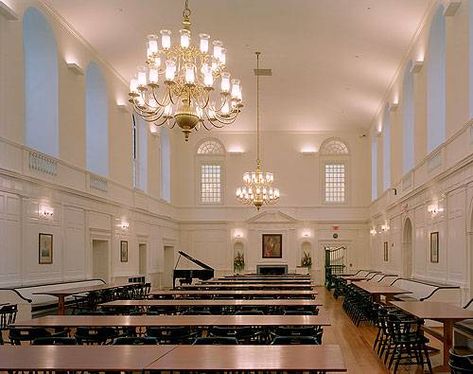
(332, 60)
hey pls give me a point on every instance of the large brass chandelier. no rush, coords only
(257, 189)
(177, 85)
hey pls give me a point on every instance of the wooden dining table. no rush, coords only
(445, 313)
(80, 357)
(234, 293)
(322, 319)
(324, 358)
(61, 294)
(257, 281)
(280, 358)
(212, 303)
(256, 286)
(377, 290)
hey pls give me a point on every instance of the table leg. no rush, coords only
(447, 344)
(61, 309)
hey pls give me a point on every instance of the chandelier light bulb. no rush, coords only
(218, 45)
(153, 75)
(168, 111)
(185, 38)
(204, 43)
(141, 76)
(190, 77)
(152, 45)
(134, 86)
(165, 39)
(223, 56)
(170, 70)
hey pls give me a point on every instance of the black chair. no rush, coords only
(294, 340)
(95, 335)
(252, 312)
(244, 334)
(7, 318)
(460, 363)
(193, 311)
(135, 340)
(215, 340)
(297, 312)
(20, 335)
(55, 340)
(407, 343)
(295, 331)
(172, 334)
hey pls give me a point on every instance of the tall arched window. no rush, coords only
(334, 157)
(386, 149)
(436, 82)
(41, 84)
(96, 121)
(374, 167)
(408, 119)
(140, 153)
(211, 160)
(165, 165)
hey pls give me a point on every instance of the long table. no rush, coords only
(325, 358)
(210, 303)
(378, 290)
(256, 286)
(235, 293)
(441, 312)
(62, 294)
(257, 281)
(73, 321)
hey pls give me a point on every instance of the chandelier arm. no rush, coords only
(173, 125)
(161, 104)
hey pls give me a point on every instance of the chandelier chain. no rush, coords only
(257, 111)
(187, 12)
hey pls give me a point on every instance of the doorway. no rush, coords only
(168, 266)
(100, 260)
(143, 259)
(407, 249)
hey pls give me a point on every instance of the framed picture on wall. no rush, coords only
(45, 248)
(123, 251)
(272, 245)
(434, 247)
(386, 251)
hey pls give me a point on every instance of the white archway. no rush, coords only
(407, 250)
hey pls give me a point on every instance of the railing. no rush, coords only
(42, 163)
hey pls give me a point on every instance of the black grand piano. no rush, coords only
(185, 276)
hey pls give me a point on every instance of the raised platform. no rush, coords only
(273, 269)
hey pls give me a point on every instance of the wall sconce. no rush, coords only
(8, 12)
(235, 150)
(124, 225)
(153, 129)
(123, 108)
(451, 8)
(393, 106)
(237, 234)
(307, 234)
(46, 212)
(385, 227)
(75, 68)
(416, 66)
(308, 150)
(373, 231)
(434, 209)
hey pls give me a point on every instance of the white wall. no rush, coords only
(442, 179)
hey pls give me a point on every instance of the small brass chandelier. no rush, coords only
(257, 189)
(176, 87)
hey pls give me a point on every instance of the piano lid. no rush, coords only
(194, 260)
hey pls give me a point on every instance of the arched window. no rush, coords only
(386, 149)
(408, 117)
(334, 160)
(140, 153)
(165, 165)
(436, 82)
(211, 160)
(96, 121)
(374, 168)
(41, 84)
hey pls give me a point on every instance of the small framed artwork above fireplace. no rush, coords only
(272, 246)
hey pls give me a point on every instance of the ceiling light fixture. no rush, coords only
(258, 189)
(177, 85)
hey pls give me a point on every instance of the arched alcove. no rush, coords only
(306, 250)
(41, 84)
(238, 250)
(96, 120)
(407, 250)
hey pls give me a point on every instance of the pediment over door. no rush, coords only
(272, 217)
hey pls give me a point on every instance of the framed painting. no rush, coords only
(272, 245)
(386, 252)
(123, 251)
(45, 248)
(434, 247)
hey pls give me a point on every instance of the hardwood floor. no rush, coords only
(357, 342)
